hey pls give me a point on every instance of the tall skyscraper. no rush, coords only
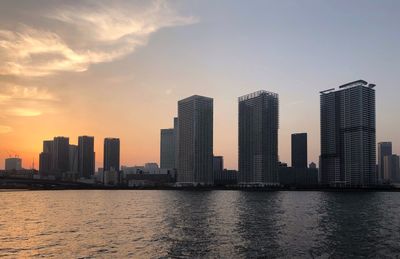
(60, 156)
(111, 154)
(167, 149)
(348, 135)
(85, 156)
(299, 150)
(45, 162)
(391, 167)
(258, 138)
(384, 149)
(176, 138)
(73, 161)
(195, 133)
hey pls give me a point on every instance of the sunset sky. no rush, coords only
(118, 68)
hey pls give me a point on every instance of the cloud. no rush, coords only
(16, 100)
(23, 112)
(96, 34)
(5, 129)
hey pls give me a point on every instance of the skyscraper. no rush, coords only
(176, 138)
(384, 149)
(85, 156)
(299, 150)
(73, 161)
(195, 133)
(45, 162)
(167, 149)
(60, 156)
(258, 138)
(348, 135)
(111, 154)
(391, 167)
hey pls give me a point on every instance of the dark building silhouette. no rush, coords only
(111, 154)
(167, 148)
(384, 149)
(60, 157)
(73, 163)
(86, 159)
(258, 138)
(45, 162)
(46, 159)
(348, 135)
(218, 164)
(299, 150)
(195, 133)
(391, 168)
(176, 138)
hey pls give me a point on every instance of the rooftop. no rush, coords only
(256, 94)
(349, 85)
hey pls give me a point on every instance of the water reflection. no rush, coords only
(211, 224)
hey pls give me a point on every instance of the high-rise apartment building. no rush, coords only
(73, 162)
(86, 156)
(384, 149)
(391, 169)
(111, 154)
(195, 134)
(348, 135)
(60, 156)
(258, 138)
(167, 148)
(299, 150)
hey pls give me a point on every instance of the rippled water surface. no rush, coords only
(212, 224)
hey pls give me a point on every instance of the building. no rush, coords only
(384, 149)
(195, 133)
(299, 150)
(225, 177)
(167, 148)
(348, 135)
(45, 162)
(176, 138)
(298, 177)
(73, 163)
(60, 157)
(258, 138)
(312, 165)
(111, 154)
(218, 164)
(391, 167)
(86, 159)
(13, 163)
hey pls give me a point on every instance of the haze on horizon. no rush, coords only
(117, 69)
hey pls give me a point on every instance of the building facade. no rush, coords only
(13, 163)
(111, 154)
(258, 138)
(384, 149)
(299, 150)
(195, 133)
(86, 159)
(60, 157)
(348, 135)
(167, 148)
(391, 167)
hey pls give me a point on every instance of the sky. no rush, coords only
(117, 68)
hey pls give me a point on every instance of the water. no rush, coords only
(211, 224)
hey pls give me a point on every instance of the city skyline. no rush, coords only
(190, 49)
